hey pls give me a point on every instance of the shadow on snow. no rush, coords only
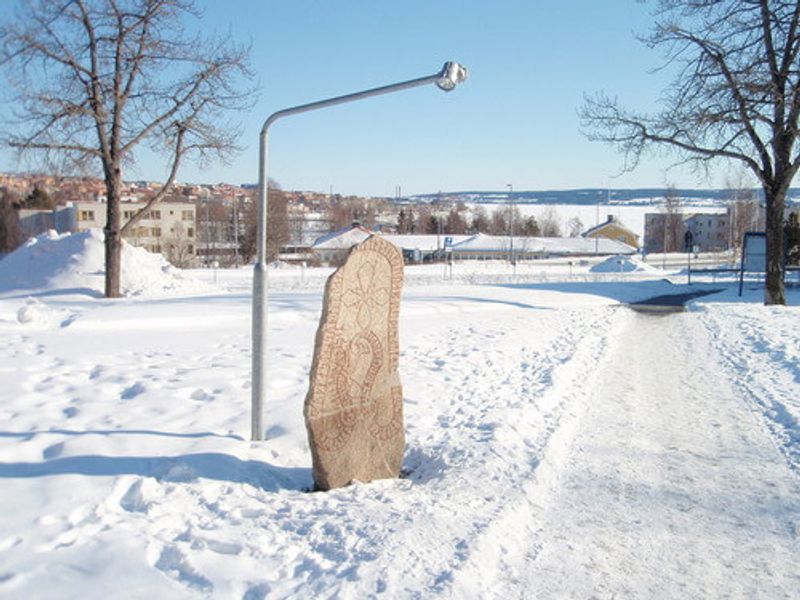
(183, 468)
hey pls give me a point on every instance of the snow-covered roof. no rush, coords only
(543, 245)
(425, 243)
(579, 245)
(344, 238)
(355, 234)
(610, 221)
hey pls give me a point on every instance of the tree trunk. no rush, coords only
(113, 239)
(774, 290)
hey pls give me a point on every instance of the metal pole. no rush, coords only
(597, 224)
(259, 383)
(236, 232)
(446, 79)
(511, 227)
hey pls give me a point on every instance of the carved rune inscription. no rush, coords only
(354, 406)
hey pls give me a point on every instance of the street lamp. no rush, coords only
(511, 227)
(447, 79)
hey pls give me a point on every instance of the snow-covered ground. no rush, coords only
(559, 444)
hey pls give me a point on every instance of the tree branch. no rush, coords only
(178, 155)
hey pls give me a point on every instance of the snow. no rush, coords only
(622, 264)
(75, 262)
(558, 443)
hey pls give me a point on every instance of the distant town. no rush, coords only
(214, 224)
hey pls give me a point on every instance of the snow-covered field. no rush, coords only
(559, 444)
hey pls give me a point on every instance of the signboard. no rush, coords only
(448, 244)
(754, 252)
(754, 255)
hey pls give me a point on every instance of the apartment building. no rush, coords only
(168, 228)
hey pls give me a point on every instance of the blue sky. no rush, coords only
(514, 121)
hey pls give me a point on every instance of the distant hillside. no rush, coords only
(629, 197)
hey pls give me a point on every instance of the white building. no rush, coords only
(168, 228)
(333, 247)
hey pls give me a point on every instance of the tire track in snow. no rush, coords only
(504, 414)
(508, 546)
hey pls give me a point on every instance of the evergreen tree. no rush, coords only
(40, 199)
(401, 221)
(530, 227)
(792, 237)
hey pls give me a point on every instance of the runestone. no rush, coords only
(354, 406)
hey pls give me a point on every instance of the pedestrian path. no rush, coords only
(671, 488)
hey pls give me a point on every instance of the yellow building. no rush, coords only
(612, 229)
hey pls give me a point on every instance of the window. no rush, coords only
(128, 214)
(187, 215)
(190, 232)
(152, 214)
(155, 231)
(86, 215)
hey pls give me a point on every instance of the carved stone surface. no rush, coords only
(354, 406)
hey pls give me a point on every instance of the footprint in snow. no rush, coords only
(53, 451)
(173, 563)
(201, 395)
(130, 392)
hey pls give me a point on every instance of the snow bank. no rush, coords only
(76, 263)
(622, 264)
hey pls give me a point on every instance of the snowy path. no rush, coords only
(668, 490)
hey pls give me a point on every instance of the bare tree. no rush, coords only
(673, 228)
(10, 232)
(736, 96)
(480, 220)
(455, 223)
(345, 210)
(95, 79)
(178, 247)
(498, 224)
(277, 224)
(549, 223)
(428, 221)
(575, 227)
(743, 210)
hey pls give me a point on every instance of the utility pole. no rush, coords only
(597, 224)
(208, 236)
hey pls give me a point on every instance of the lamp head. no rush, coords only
(451, 75)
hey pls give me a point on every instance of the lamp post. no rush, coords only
(447, 79)
(511, 227)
